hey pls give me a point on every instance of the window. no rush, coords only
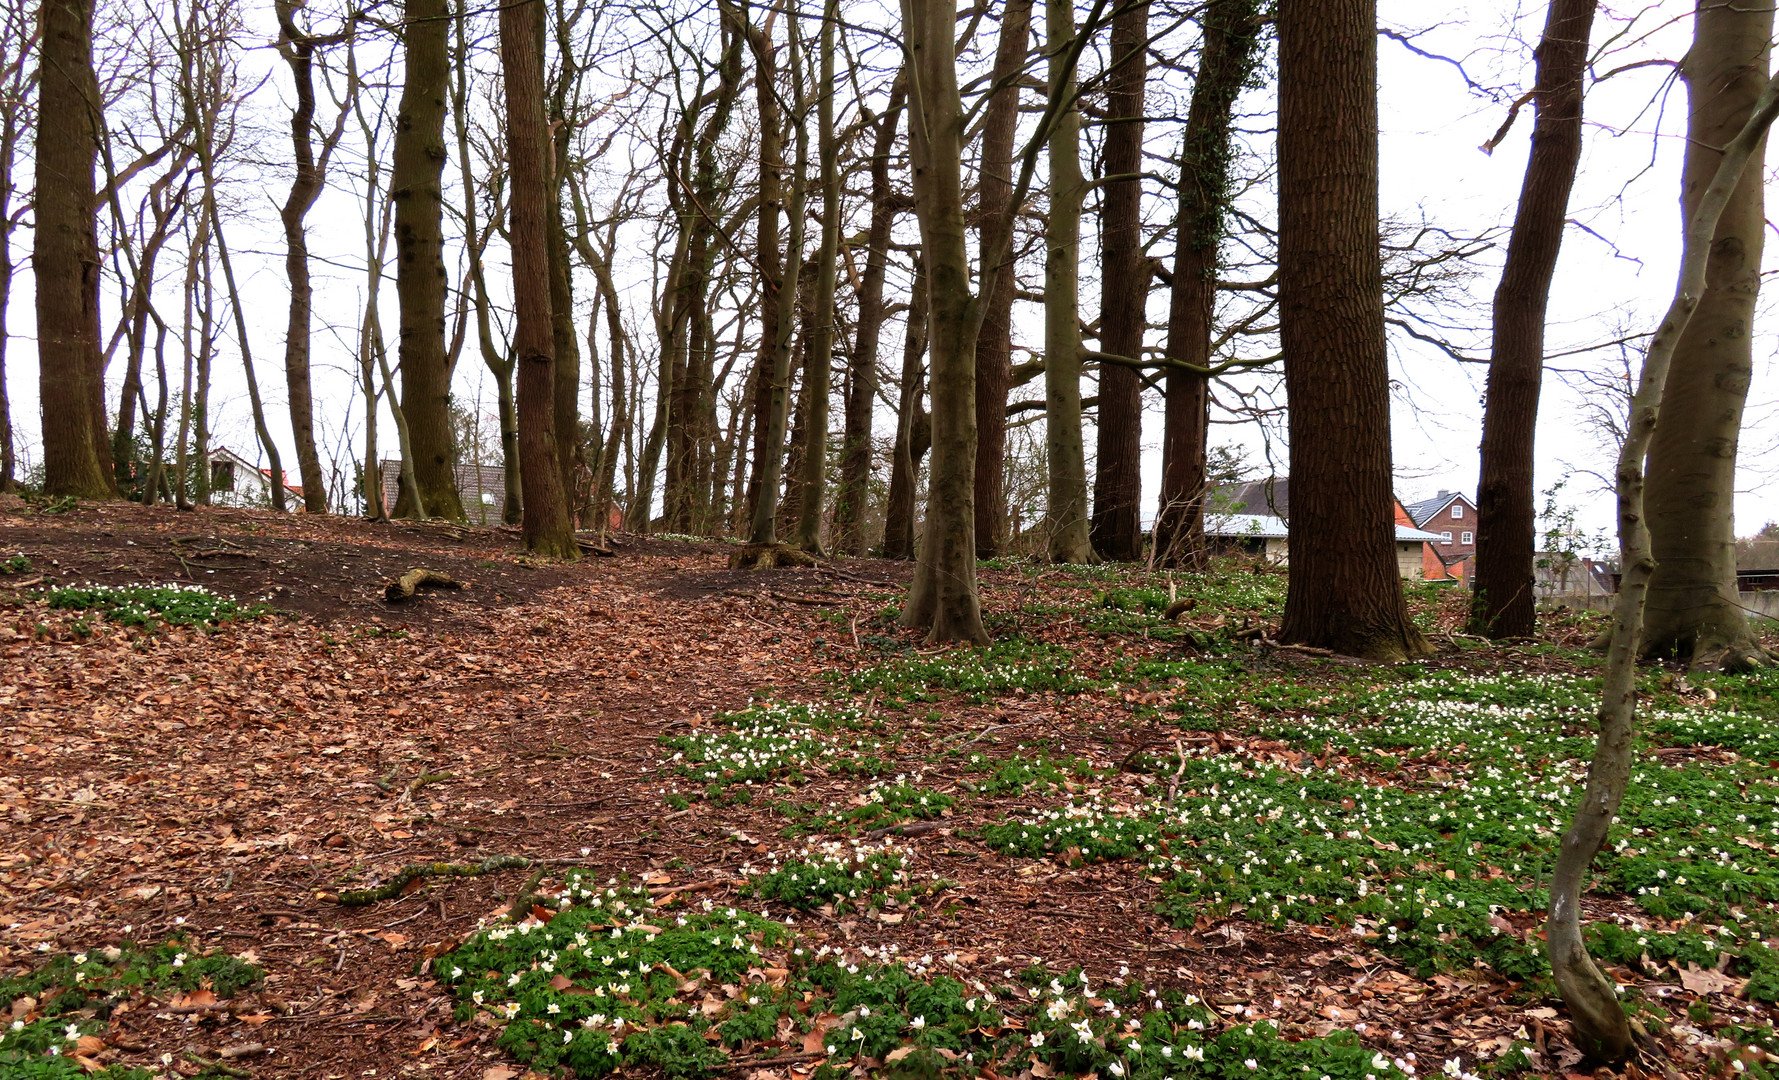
(1457, 511)
(222, 476)
(487, 499)
(1445, 537)
(1469, 538)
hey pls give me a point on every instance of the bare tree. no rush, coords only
(548, 528)
(994, 346)
(1068, 522)
(818, 359)
(1116, 528)
(65, 256)
(1601, 1028)
(416, 184)
(1345, 593)
(1502, 605)
(18, 87)
(943, 599)
(1693, 608)
(1227, 57)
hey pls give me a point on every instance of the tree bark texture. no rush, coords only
(1601, 1029)
(416, 185)
(298, 49)
(1502, 604)
(1693, 610)
(1227, 57)
(567, 365)
(547, 527)
(943, 598)
(1345, 590)
(818, 356)
(1066, 453)
(1116, 528)
(994, 346)
(861, 386)
(13, 96)
(767, 257)
(65, 256)
(913, 428)
(783, 295)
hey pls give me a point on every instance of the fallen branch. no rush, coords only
(413, 580)
(396, 885)
(813, 601)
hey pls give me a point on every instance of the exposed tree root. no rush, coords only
(767, 556)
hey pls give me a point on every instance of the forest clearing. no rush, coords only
(714, 822)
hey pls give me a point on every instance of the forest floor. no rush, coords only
(1139, 846)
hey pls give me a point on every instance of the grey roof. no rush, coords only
(1246, 526)
(1424, 510)
(1265, 498)
(1267, 527)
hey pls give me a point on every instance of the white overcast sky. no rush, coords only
(1617, 270)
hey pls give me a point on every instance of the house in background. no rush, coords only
(1452, 515)
(1268, 537)
(237, 482)
(483, 489)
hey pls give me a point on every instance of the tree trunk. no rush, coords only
(567, 365)
(1502, 604)
(861, 384)
(994, 346)
(298, 49)
(818, 357)
(783, 293)
(547, 526)
(1601, 1028)
(1226, 59)
(943, 599)
(65, 256)
(20, 39)
(416, 180)
(1116, 529)
(1345, 589)
(1694, 612)
(913, 430)
(1062, 285)
(766, 251)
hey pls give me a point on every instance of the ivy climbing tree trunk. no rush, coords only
(1229, 52)
(1345, 591)
(1501, 606)
(1694, 612)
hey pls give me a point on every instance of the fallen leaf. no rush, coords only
(498, 1072)
(1709, 982)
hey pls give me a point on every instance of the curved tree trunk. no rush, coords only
(1062, 281)
(1693, 610)
(1505, 538)
(1345, 590)
(767, 257)
(416, 185)
(994, 346)
(1601, 1028)
(65, 256)
(943, 599)
(1230, 50)
(1116, 528)
(298, 49)
(548, 528)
